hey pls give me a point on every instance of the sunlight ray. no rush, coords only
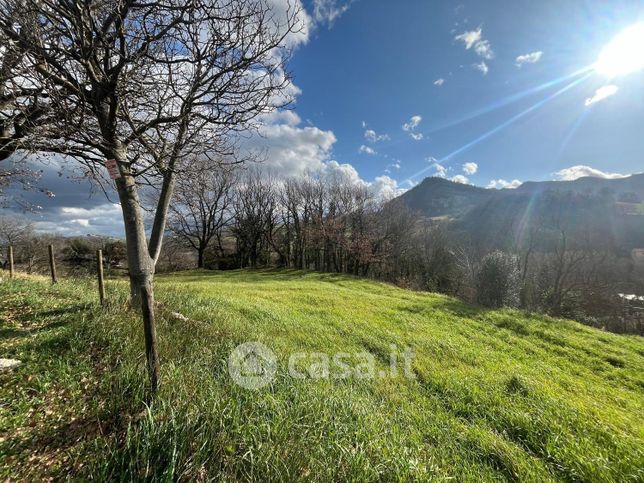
(511, 99)
(503, 125)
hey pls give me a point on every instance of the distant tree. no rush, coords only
(498, 280)
(468, 263)
(201, 207)
(114, 252)
(254, 218)
(78, 252)
(175, 256)
(16, 233)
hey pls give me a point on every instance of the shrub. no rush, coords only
(498, 280)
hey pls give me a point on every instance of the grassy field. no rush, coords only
(496, 395)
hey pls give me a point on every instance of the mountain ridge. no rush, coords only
(613, 209)
(435, 197)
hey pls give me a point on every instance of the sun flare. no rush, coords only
(624, 54)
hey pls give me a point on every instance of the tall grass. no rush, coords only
(496, 395)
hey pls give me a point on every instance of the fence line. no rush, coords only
(54, 274)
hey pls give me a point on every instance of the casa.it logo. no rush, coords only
(252, 365)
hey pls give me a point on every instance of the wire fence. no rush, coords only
(54, 272)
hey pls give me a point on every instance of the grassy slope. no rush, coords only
(497, 395)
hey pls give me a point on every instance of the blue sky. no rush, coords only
(377, 63)
(491, 93)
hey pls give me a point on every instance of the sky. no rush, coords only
(490, 93)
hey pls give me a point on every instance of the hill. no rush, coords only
(495, 395)
(441, 197)
(435, 197)
(611, 208)
(633, 184)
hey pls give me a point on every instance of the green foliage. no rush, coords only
(497, 395)
(498, 281)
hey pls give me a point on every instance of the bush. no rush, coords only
(498, 280)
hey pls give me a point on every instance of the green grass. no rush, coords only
(497, 395)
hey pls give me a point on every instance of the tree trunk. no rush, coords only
(161, 216)
(149, 328)
(140, 264)
(200, 253)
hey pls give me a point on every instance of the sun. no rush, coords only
(624, 54)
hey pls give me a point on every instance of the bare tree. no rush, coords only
(201, 207)
(14, 232)
(149, 85)
(255, 218)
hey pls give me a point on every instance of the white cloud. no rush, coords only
(459, 178)
(413, 123)
(289, 149)
(484, 50)
(601, 94)
(371, 136)
(285, 116)
(328, 11)
(470, 38)
(530, 58)
(334, 171)
(501, 183)
(410, 126)
(441, 171)
(382, 187)
(292, 150)
(439, 82)
(474, 38)
(281, 10)
(394, 165)
(73, 221)
(470, 168)
(366, 150)
(574, 172)
(482, 67)
(385, 188)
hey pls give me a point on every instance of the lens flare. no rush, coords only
(502, 126)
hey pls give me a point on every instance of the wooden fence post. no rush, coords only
(52, 264)
(101, 282)
(150, 331)
(10, 261)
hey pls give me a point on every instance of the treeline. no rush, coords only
(325, 223)
(546, 260)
